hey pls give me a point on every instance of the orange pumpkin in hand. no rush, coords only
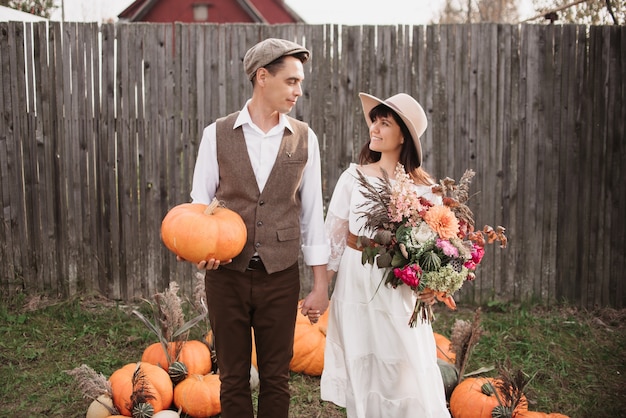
(197, 232)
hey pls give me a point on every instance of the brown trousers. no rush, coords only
(268, 303)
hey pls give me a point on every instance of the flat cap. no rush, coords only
(269, 50)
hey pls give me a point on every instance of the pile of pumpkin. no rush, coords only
(158, 387)
(483, 397)
(154, 387)
(470, 397)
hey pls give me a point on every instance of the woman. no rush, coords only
(375, 365)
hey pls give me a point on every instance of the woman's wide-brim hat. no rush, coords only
(409, 110)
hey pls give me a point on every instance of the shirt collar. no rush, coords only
(244, 118)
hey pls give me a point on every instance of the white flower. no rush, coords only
(422, 233)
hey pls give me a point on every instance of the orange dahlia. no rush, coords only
(442, 221)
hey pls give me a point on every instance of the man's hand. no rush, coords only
(211, 264)
(316, 302)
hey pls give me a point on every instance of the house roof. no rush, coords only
(258, 11)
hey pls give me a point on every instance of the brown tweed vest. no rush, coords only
(272, 217)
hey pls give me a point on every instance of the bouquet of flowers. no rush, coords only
(425, 246)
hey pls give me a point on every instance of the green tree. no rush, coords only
(586, 12)
(41, 8)
(473, 11)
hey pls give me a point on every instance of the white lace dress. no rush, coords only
(375, 365)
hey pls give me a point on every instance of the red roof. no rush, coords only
(219, 11)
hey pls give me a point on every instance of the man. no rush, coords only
(265, 166)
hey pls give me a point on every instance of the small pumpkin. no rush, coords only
(254, 378)
(198, 232)
(449, 375)
(167, 413)
(536, 414)
(475, 397)
(199, 396)
(443, 348)
(101, 407)
(143, 410)
(157, 382)
(194, 354)
(308, 345)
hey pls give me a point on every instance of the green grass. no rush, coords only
(577, 358)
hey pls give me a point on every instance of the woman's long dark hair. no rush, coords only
(408, 153)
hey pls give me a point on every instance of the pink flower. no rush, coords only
(470, 265)
(409, 274)
(447, 248)
(477, 255)
(403, 204)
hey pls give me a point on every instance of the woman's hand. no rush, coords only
(314, 305)
(427, 297)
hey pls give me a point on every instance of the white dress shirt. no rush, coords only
(263, 150)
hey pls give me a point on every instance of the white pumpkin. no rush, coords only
(101, 407)
(166, 414)
(254, 377)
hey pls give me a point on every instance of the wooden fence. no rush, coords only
(100, 125)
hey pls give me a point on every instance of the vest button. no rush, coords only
(257, 245)
(261, 202)
(260, 223)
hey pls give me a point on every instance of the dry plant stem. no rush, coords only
(169, 322)
(475, 334)
(91, 383)
(141, 390)
(422, 312)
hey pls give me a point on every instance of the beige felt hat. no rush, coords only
(267, 51)
(409, 110)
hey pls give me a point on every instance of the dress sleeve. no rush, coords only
(337, 230)
(337, 219)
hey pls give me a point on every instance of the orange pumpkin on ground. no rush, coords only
(157, 381)
(443, 348)
(197, 232)
(194, 354)
(475, 397)
(308, 345)
(199, 396)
